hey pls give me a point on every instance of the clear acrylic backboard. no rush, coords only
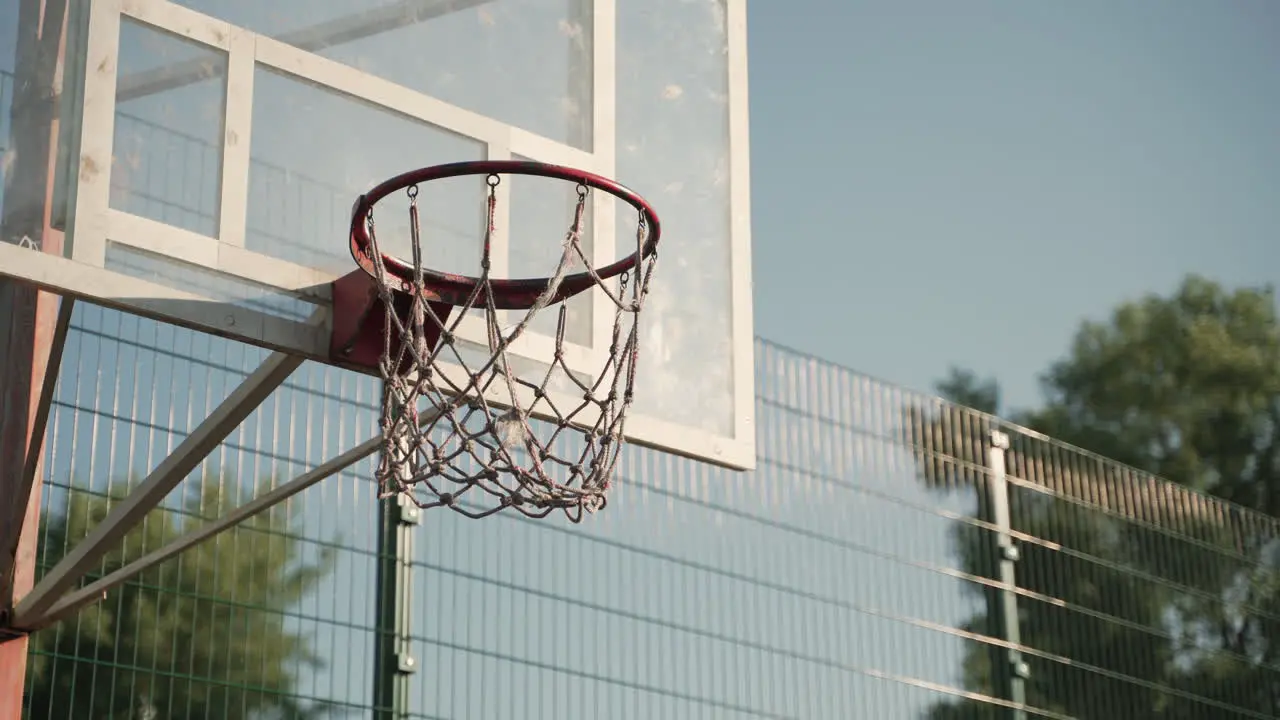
(209, 152)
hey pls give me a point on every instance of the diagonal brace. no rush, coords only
(126, 514)
(41, 421)
(11, 527)
(56, 347)
(73, 601)
(77, 599)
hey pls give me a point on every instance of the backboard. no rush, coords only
(210, 151)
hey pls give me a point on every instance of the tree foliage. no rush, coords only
(202, 635)
(1186, 387)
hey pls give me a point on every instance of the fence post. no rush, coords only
(394, 664)
(1009, 670)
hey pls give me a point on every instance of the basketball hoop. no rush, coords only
(462, 434)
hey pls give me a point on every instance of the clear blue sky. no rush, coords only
(949, 182)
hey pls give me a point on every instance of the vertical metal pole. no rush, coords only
(1009, 670)
(394, 663)
(28, 320)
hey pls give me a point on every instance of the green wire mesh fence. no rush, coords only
(854, 574)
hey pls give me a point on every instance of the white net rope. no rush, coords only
(460, 432)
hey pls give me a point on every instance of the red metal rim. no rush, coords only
(508, 294)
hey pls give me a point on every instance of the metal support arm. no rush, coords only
(72, 602)
(41, 420)
(126, 514)
(14, 517)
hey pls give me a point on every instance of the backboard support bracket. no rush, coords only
(358, 335)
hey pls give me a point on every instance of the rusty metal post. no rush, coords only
(28, 319)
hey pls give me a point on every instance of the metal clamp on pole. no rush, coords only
(398, 518)
(1011, 678)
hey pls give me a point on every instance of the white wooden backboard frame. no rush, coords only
(91, 80)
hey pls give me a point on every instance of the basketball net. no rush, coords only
(474, 434)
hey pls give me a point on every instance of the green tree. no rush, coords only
(1187, 387)
(201, 635)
